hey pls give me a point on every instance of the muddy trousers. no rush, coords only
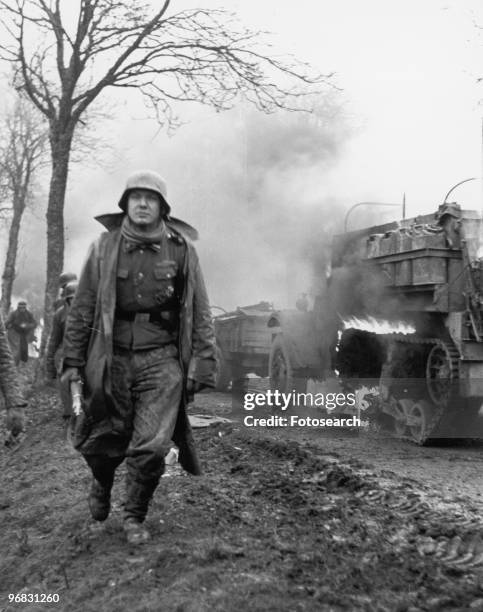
(20, 348)
(147, 388)
(66, 398)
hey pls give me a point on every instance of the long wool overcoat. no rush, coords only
(9, 382)
(88, 337)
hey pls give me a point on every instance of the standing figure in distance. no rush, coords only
(21, 325)
(140, 336)
(10, 387)
(64, 279)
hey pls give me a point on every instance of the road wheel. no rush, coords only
(418, 418)
(400, 418)
(283, 376)
(441, 372)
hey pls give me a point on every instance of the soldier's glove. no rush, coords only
(70, 374)
(15, 420)
(192, 387)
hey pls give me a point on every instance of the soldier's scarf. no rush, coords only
(137, 240)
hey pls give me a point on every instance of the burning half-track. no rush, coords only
(401, 311)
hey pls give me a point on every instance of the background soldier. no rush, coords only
(140, 334)
(10, 388)
(21, 325)
(64, 279)
(54, 352)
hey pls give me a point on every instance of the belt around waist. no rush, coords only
(165, 316)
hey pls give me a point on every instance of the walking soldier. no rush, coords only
(54, 352)
(140, 336)
(10, 388)
(21, 325)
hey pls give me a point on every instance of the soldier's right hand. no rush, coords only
(70, 375)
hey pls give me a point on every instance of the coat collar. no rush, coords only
(113, 221)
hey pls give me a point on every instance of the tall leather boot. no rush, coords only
(138, 497)
(103, 470)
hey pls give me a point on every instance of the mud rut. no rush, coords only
(272, 525)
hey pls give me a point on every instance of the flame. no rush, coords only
(371, 324)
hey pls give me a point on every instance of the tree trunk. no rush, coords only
(8, 275)
(60, 151)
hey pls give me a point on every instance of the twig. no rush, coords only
(67, 584)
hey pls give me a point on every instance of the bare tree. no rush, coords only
(202, 55)
(23, 139)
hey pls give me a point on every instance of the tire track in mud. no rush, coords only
(454, 538)
(452, 534)
(327, 520)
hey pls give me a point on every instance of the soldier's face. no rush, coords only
(144, 209)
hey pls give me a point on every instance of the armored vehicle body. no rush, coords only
(401, 310)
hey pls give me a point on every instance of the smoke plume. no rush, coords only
(253, 185)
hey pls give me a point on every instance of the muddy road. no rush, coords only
(277, 522)
(451, 470)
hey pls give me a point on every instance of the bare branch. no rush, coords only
(107, 79)
(23, 137)
(201, 55)
(55, 23)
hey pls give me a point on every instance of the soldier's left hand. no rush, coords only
(193, 386)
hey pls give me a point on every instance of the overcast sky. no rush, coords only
(411, 123)
(409, 69)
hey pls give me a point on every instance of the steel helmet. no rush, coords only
(453, 209)
(70, 289)
(146, 179)
(66, 277)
